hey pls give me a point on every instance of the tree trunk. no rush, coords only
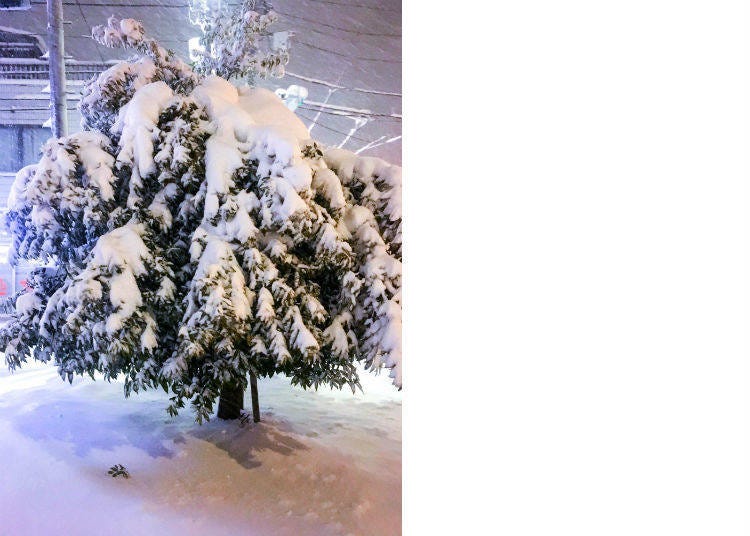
(231, 402)
(254, 397)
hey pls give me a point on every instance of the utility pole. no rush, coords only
(57, 85)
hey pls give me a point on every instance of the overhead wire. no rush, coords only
(340, 113)
(376, 8)
(329, 34)
(333, 129)
(337, 86)
(103, 4)
(339, 28)
(305, 43)
(98, 50)
(348, 113)
(358, 32)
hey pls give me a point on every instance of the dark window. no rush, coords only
(15, 4)
(32, 139)
(10, 156)
(20, 146)
(19, 45)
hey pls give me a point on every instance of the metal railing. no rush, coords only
(32, 69)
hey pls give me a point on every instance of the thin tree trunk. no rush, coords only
(231, 402)
(254, 397)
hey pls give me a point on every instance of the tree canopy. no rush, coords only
(192, 233)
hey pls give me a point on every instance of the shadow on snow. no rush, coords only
(102, 424)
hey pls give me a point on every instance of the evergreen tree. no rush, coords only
(236, 41)
(194, 238)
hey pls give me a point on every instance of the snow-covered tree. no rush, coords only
(194, 238)
(236, 41)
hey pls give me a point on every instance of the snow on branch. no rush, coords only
(194, 234)
(237, 42)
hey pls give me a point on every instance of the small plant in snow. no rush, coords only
(194, 235)
(118, 470)
(244, 418)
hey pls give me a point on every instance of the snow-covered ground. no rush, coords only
(322, 463)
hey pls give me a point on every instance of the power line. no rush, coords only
(294, 28)
(185, 6)
(96, 45)
(339, 28)
(376, 8)
(104, 61)
(46, 108)
(333, 129)
(347, 113)
(337, 113)
(127, 4)
(384, 60)
(336, 86)
(180, 6)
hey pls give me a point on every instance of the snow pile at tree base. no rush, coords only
(325, 463)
